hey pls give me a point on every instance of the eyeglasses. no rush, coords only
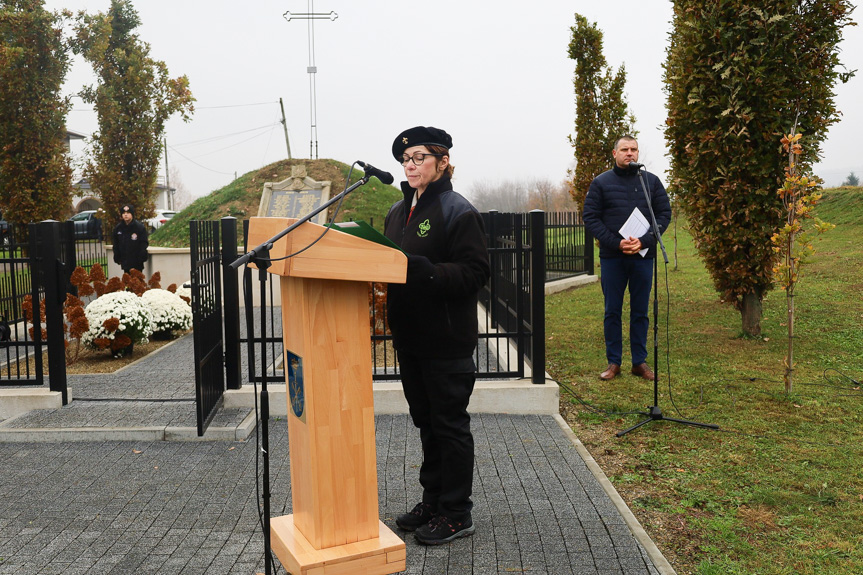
(418, 158)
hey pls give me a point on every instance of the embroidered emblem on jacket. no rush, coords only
(424, 228)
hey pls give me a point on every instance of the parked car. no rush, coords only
(162, 216)
(5, 236)
(87, 225)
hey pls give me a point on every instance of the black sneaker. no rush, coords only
(442, 529)
(421, 514)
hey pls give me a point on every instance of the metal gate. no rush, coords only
(207, 319)
(20, 354)
(35, 263)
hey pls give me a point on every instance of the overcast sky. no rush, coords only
(495, 75)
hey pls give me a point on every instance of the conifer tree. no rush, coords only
(736, 70)
(601, 114)
(35, 176)
(134, 98)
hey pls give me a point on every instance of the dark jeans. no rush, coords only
(617, 273)
(438, 392)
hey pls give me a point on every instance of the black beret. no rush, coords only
(420, 136)
(128, 208)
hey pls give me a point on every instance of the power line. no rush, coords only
(198, 107)
(173, 149)
(215, 138)
(271, 126)
(199, 165)
(234, 106)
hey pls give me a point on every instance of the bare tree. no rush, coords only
(549, 197)
(182, 195)
(504, 196)
(522, 196)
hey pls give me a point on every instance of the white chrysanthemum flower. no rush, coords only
(134, 318)
(169, 311)
(185, 290)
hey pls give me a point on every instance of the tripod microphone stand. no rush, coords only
(655, 413)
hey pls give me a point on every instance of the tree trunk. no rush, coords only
(789, 360)
(675, 244)
(750, 313)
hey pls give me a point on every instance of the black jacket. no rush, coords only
(130, 245)
(610, 200)
(434, 314)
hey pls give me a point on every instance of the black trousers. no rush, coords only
(438, 392)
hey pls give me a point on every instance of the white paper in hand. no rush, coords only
(636, 226)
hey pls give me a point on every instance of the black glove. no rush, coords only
(420, 270)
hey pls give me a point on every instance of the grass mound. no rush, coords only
(241, 198)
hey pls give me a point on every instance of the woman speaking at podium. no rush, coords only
(433, 320)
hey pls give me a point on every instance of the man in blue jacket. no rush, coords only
(611, 199)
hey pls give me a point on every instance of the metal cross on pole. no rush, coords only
(312, 69)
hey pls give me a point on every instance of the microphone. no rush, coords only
(384, 177)
(635, 166)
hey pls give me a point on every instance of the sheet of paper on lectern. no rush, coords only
(636, 226)
(363, 230)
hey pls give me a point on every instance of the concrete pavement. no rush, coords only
(103, 486)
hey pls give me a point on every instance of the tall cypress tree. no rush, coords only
(601, 114)
(133, 99)
(739, 74)
(35, 176)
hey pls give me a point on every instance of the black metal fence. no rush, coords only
(21, 361)
(272, 339)
(568, 246)
(525, 251)
(88, 251)
(36, 261)
(515, 295)
(508, 333)
(522, 249)
(207, 319)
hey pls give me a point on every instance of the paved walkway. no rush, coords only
(103, 505)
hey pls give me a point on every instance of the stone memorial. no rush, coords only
(295, 197)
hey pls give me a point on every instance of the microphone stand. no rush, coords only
(655, 413)
(260, 256)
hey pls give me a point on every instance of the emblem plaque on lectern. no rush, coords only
(296, 390)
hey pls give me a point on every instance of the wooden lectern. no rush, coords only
(334, 528)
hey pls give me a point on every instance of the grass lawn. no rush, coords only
(779, 488)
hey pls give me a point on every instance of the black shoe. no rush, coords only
(442, 529)
(421, 514)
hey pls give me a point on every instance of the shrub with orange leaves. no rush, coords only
(793, 242)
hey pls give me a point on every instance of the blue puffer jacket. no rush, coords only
(610, 200)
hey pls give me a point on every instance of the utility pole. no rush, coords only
(312, 69)
(285, 126)
(167, 179)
